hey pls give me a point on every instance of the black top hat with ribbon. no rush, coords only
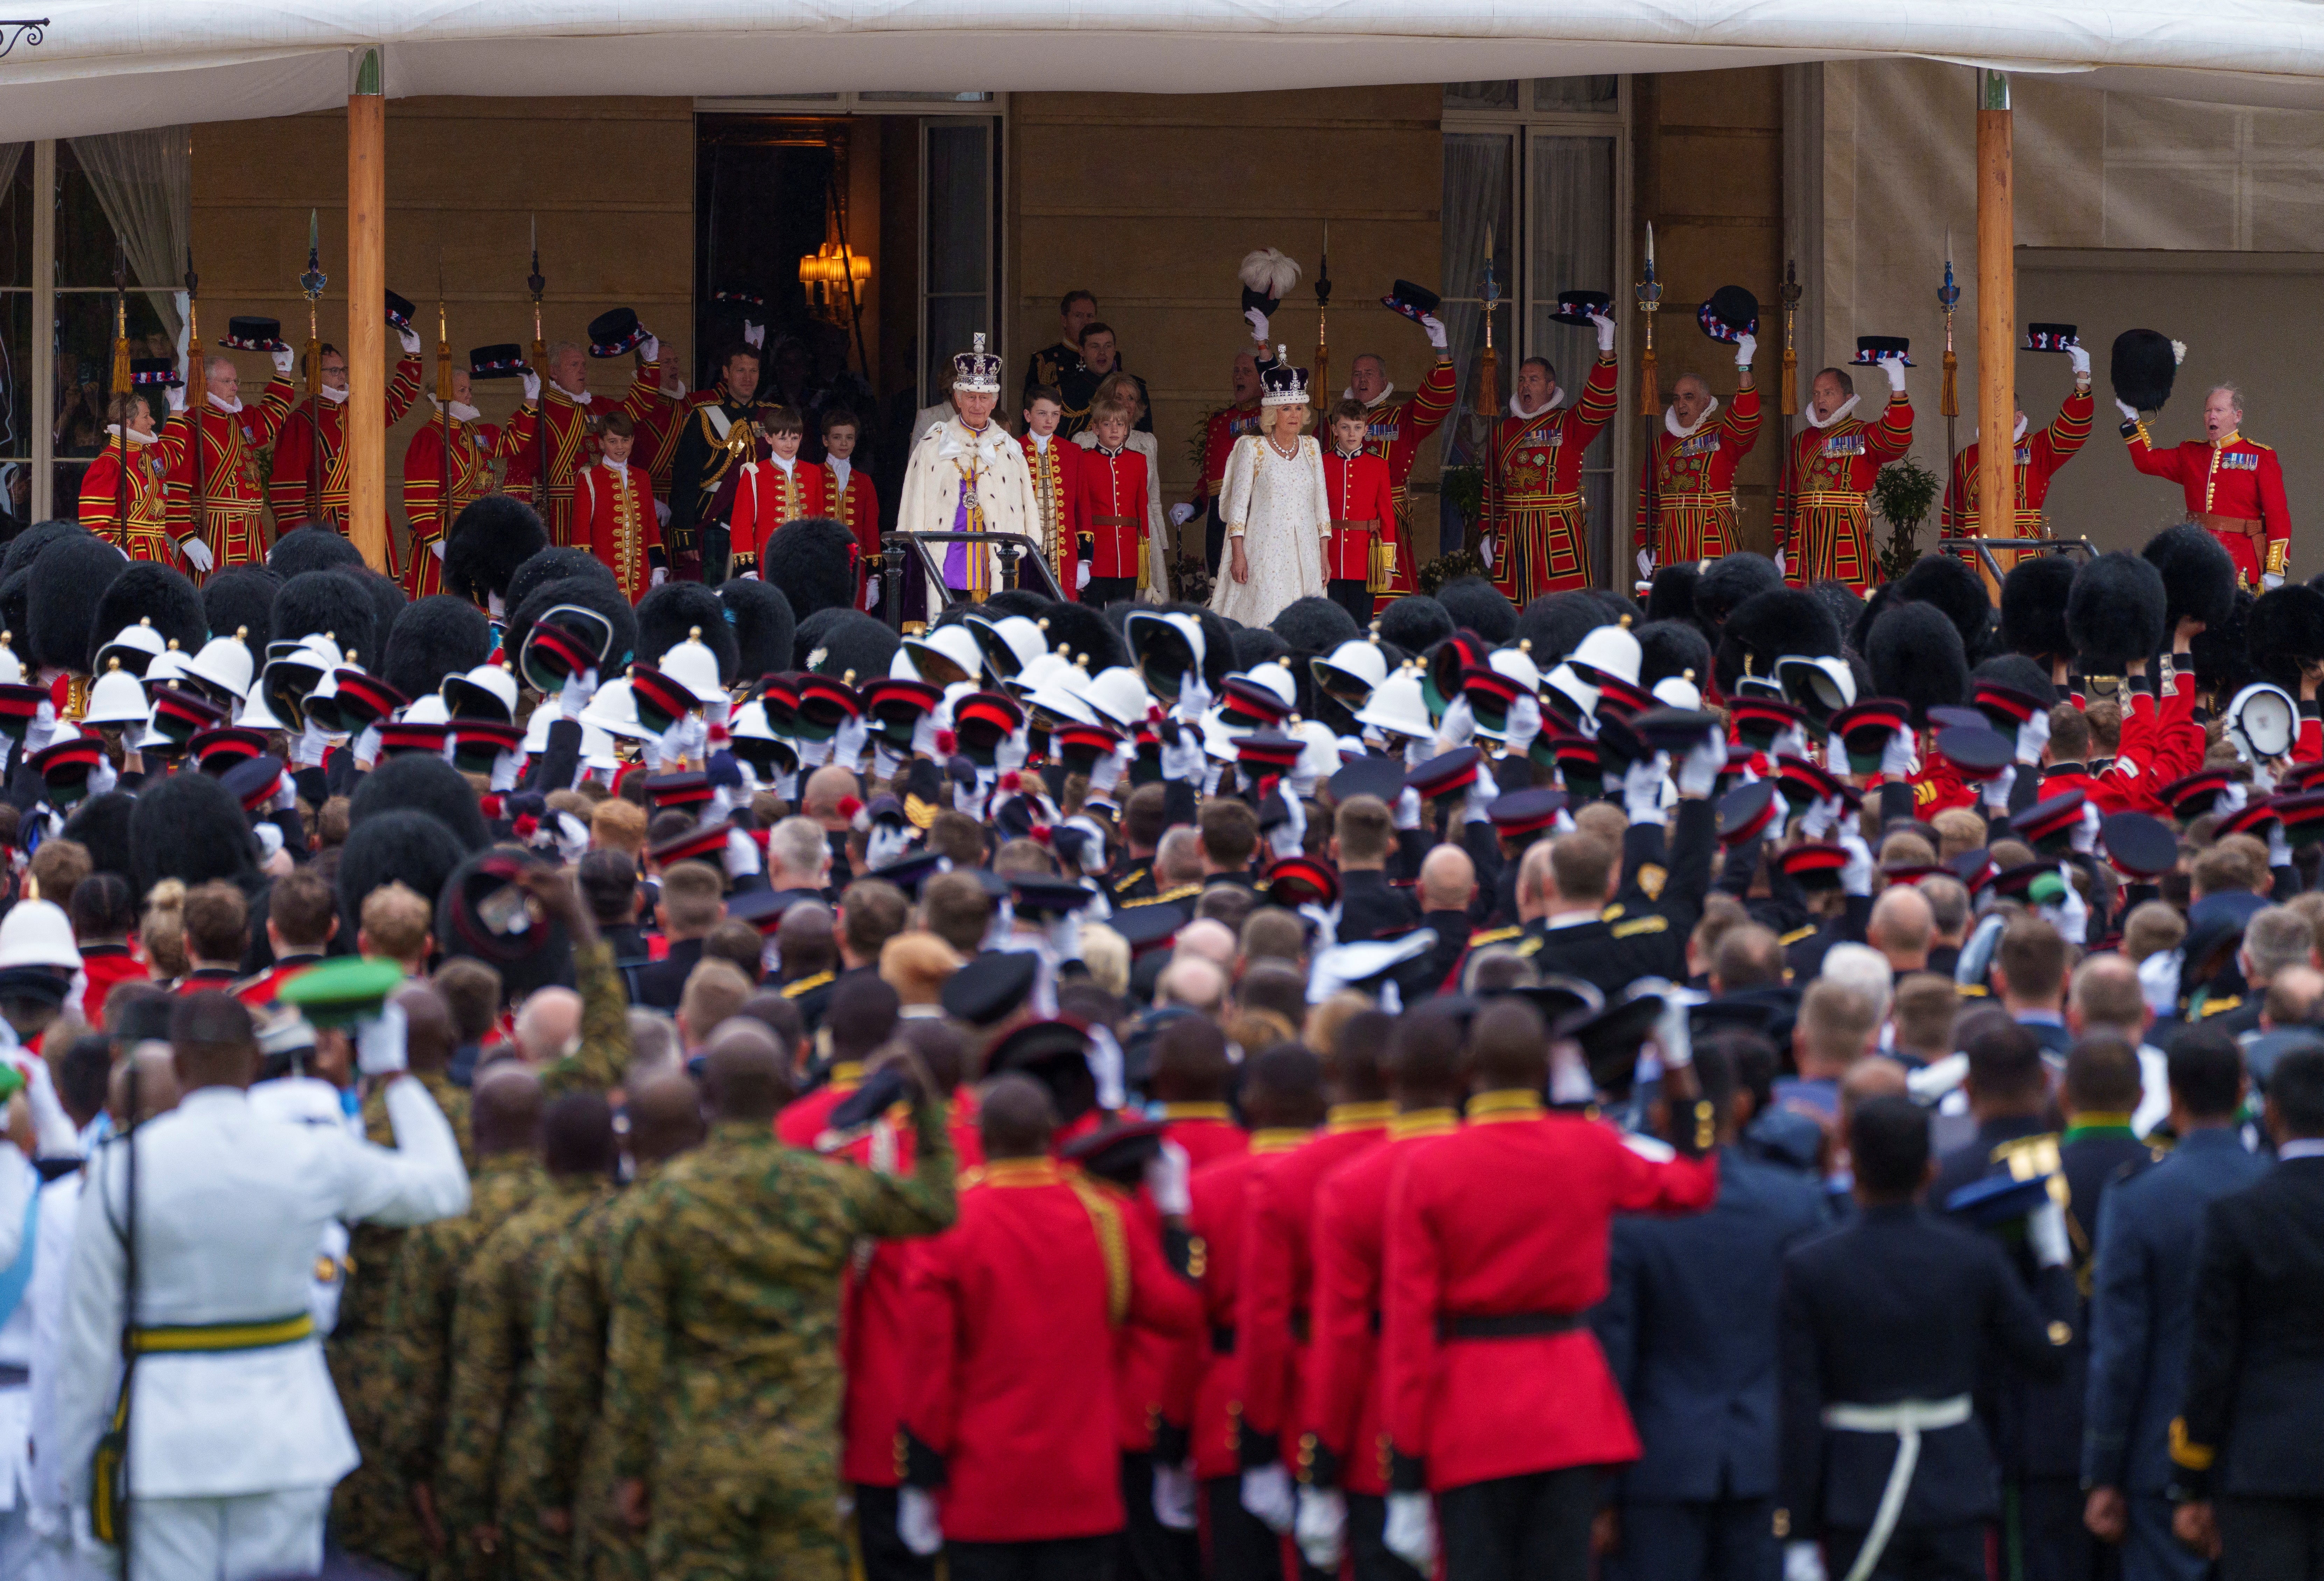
(1575, 308)
(616, 333)
(1730, 314)
(1414, 302)
(2052, 337)
(161, 371)
(505, 361)
(1871, 348)
(400, 310)
(250, 333)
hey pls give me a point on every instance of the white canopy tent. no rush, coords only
(118, 65)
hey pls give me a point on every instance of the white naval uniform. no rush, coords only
(231, 1455)
(17, 1201)
(66, 1548)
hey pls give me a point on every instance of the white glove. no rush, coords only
(1645, 565)
(1746, 346)
(661, 507)
(924, 735)
(1642, 789)
(505, 767)
(871, 593)
(2279, 848)
(1698, 770)
(1996, 790)
(2269, 581)
(1173, 1497)
(1822, 813)
(1082, 577)
(1258, 322)
(1792, 739)
(1107, 771)
(658, 576)
(742, 855)
(1183, 761)
(1856, 876)
(1409, 1532)
(411, 339)
(198, 555)
(2045, 1234)
(1458, 728)
(1835, 754)
(1289, 838)
(1267, 1494)
(532, 382)
(1193, 698)
(1802, 1561)
(42, 731)
(1779, 562)
(1524, 723)
(365, 748)
(1064, 936)
(747, 576)
(1180, 515)
(437, 549)
(176, 394)
(847, 745)
(2129, 412)
(2033, 736)
(1165, 1181)
(916, 1514)
(2070, 913)
(1321, 1528)
(1605, 324)
(651, 346)
(380, 1041)
(1477, 802)
(1407, 809)
(1894, 366)
(2085, 838)
(1435, 327)
(306, 751)
(2080, 356)
(286, 794)
(1898, 757)
(1485, 550)
(284, 359)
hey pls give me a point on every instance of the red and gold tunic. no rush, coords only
(1057, 469)
(855, 502)
(1533, 490)
(1686, 494)
(2039, 457)
(1823, 523)
(1393, 432)
(657, 440)
(767, 494)
(1363, 511)
(473, 443)
(230, 458)
(1110, 516)
(572, 445)
(2234, 488)
(312, 446)
(146, 535)
(613, 519)
(1220, 432)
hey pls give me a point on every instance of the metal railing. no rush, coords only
(1984, 548)
(1022, 565)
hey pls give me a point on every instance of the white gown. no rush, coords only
(1284, 514)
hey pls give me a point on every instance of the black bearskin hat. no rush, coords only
(28, 545)
(434, 638)
(1671, 596)
(1728, 581)
(1766, 627)
(68, 583)
(1256, 645)
(403, 845)
(490, 538)
(538, 957)
(1009, 600)
(1556, 623)
(1673, 648)
(1842, 599)
(189, 826)
(1414, 622)
(2198, 577)
(2114, 612)
(555, 565)
(387, 600)
(324, 601)
(812, 561)
(675, 611)
(1315, 625)
(1083, 629)
(2222, 653)
(312, 547)
(242, 599)
(850, 640)
(600, 594)
(1617, 605)
(2285, 628)
(807, 638)
(1948, 582)
(1915, 654)
(765, 630)
(422, 782)
(2033, 606)
(150, 591)
(2019, 674)
(1477, 605)
(2143, 367)
(102, 824)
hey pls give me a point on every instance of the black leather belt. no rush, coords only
(1222, 1339)
(1510, 1325)
(1299, 1327)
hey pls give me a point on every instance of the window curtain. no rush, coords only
(1571, 208)
(1476, 195)
(144, 181)
(11, 154)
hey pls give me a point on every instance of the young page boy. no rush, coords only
(1362, 508)
(849, 496)
(770, 492)
(1113, 507)
(1056, 465)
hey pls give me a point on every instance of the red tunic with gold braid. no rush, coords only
(1220, 432)
(1057, 469)
(230, 455)
(856, 502)
(613, 519)
(473, 443)
(1111, 517)
(1533, 492)
(1393, 432)
(1822, 524)
(657, 440)
(316, 424)
(1363, 508)
(766, 495)
(2234, 488)
(2039, 457)
(572, 445)
(146, 534)
(1686, 494)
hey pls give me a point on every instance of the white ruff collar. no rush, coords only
(580, 400)
(1670, 420)
(223, 407)
(1557, 394)
(135, 436)
(1386, 390)
(461, 411)
(1839, 414)
(335, 397)
(618, 468)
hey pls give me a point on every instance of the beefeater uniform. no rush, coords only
(1220, 429)
(1112, 525)
(474, 444)
(2234, 488)
(146, 534)
(1499, 1396)
(613, 519)
(572, 443)
(1821, 517)
(1533, 490)
(767, 494)
(1686, 489)
(1057, 466)
(1364, 507)
(715, 432)
(233, 495)
(319, 422)
(1393, 430)
(2038, 458)
(850, 496)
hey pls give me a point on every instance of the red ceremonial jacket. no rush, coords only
(1697, 470)
(1110, 499)
(1845, 458)
(296, 450)
(1056, 470)
(1017, 1310)
(230, 455)
(1362, 508)
(2038, 458)
(1395, 429)
(1511, 1216)
(629, 548)
(855, 502)
(1220, 432)
(1207, 1131)
(2161, 742)
(1209, 1402)
(2237, 478)
(104, 965)
(766, 495)
(1531, 461)
(146, 534)
(473, 445)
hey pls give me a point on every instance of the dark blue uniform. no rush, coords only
(1370, 907)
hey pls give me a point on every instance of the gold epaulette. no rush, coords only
(1651, 879)
(2219, 1007)
(1971, 991)
(1127, 880)
(1611, 913)
(1105, 1219)
(1184, 892)
(1796, 935)
(807, 984)
(1926, 791)
(1493, 936)
(1531, 945)
(1645, 924)
(2185, 1452)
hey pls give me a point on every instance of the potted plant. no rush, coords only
(1902, 495)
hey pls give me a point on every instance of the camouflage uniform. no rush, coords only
(722, 1367)
(605, 1051)
(486, 1454)
(371, 1510)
